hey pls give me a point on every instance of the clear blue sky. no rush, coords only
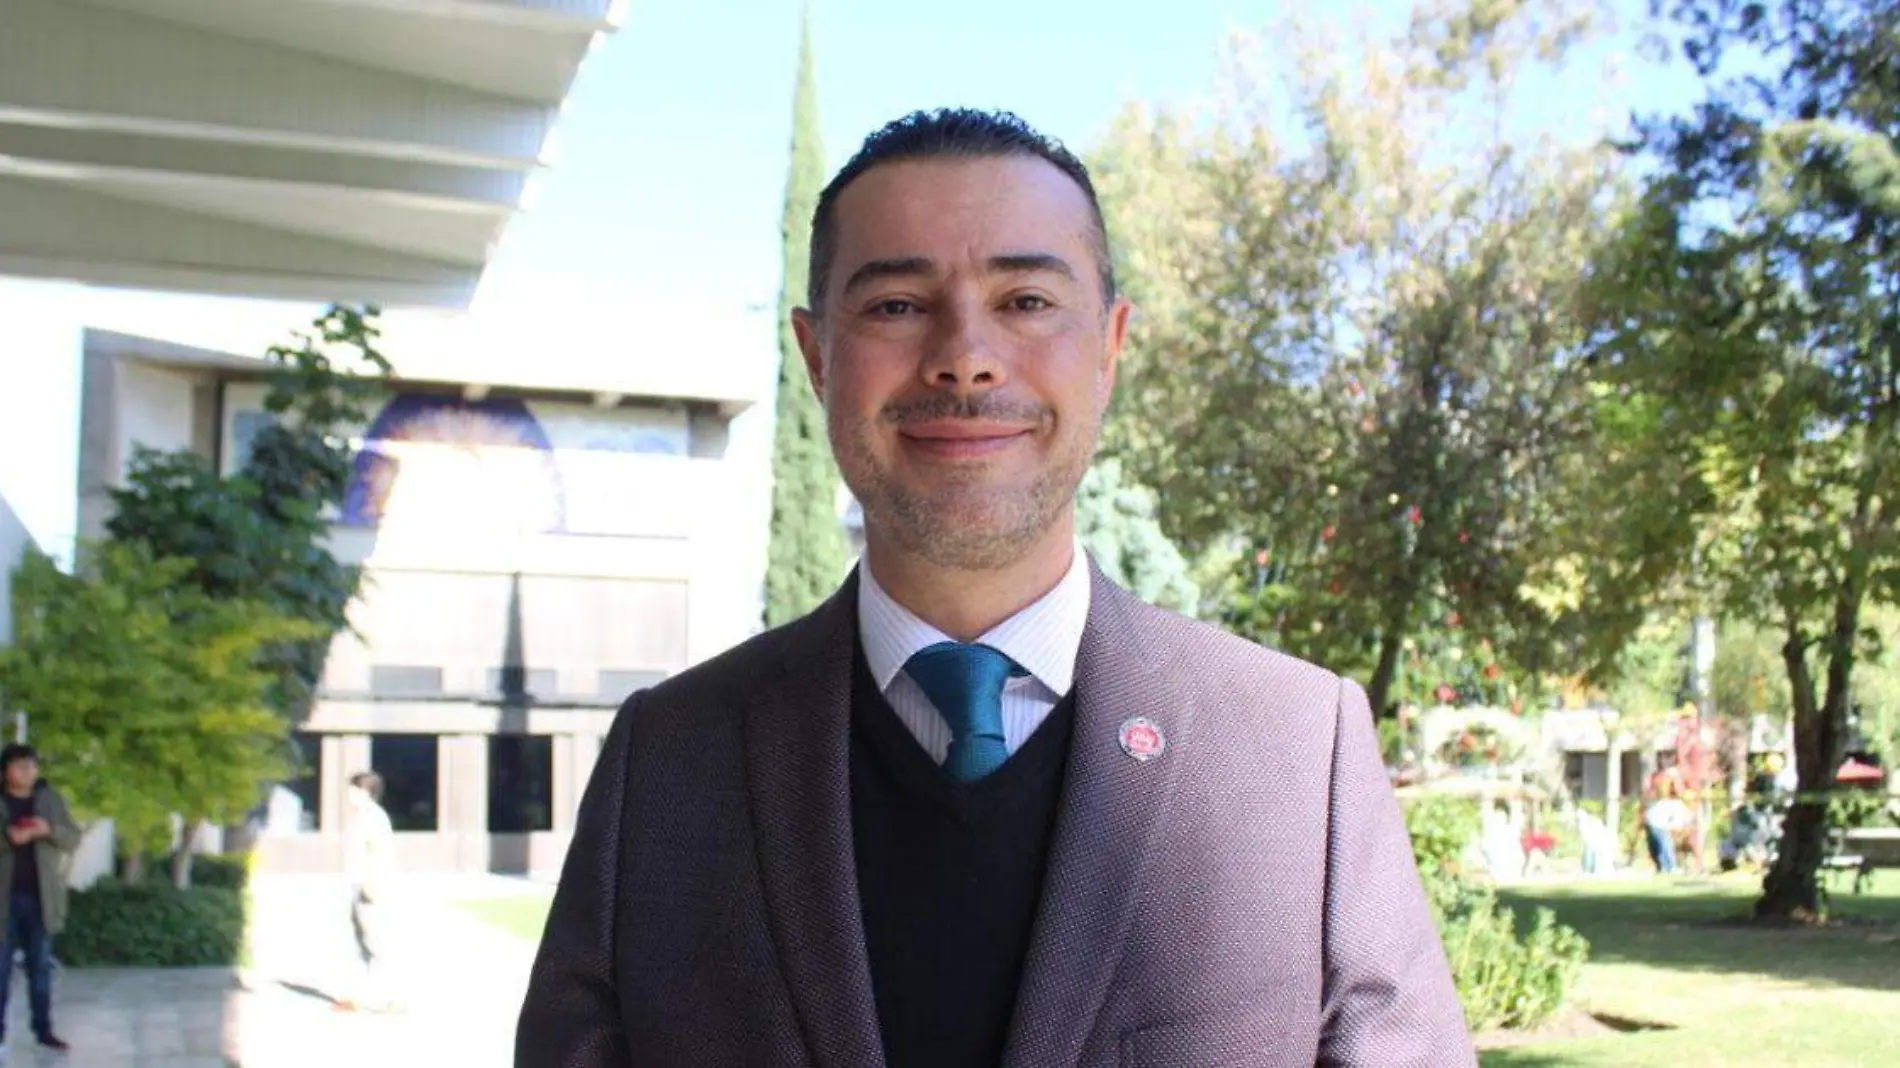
(666, 187)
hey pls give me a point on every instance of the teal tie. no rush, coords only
(965, 682)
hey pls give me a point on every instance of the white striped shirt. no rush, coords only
(1042, 638)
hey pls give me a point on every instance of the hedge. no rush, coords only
(153, 925)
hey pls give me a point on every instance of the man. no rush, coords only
(39, 829)
(984, 807)
(369, 845)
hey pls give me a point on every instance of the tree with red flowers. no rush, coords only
(1354, 346)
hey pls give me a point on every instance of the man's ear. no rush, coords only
(805, 327)
(1116, 336)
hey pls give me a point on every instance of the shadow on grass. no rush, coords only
(1703, 925)
(1527, 1058)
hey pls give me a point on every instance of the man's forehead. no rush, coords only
(978, 207)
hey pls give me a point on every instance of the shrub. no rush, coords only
(1441, 829)
(230, 871)
(1503, 980)
(1853, 808)
(153, 925)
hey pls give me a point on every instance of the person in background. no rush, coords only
(369, 845)
(1663, 816)
(40, 830)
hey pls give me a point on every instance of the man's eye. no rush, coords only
(893, 308)
(1030, 302)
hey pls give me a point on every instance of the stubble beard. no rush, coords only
(962, 524)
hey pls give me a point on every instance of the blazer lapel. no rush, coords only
(1105, 832)
(798, 731)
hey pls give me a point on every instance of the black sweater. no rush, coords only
(950, 875)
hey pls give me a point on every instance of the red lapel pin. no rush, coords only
(1142, 739)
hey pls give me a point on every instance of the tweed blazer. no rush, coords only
(1247, 897)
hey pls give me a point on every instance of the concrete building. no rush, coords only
(313, 150)
(534, 550)
(292, 151)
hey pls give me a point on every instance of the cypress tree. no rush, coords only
(807, 554)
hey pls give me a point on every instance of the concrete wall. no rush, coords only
(14, 541)
(39, 411)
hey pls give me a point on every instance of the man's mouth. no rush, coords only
(962, 438)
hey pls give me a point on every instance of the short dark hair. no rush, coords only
(948, 133)
(370, 783)
(18, 751)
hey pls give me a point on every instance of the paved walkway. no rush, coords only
(462, 979)
(132, 1018)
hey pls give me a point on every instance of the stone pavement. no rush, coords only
(461, 978)
(129, 1018)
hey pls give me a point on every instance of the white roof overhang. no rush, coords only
(361, 150)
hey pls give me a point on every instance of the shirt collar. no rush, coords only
(1043, 638)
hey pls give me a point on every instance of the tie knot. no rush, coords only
(965, 683)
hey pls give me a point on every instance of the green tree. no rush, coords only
(1357, 348)
(1116, 521)
(1751, 359)
(807, 554)
(1877, 687)
(260, 534)
(145, 693)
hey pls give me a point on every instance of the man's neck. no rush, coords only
(12, 792)
(967, 604)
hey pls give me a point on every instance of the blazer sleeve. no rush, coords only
(570, 1017)
(1387, 999)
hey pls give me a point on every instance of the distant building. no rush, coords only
(292, 149)
(300, 150)
(535, 550)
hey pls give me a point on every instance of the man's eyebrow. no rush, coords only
(1028, 262)
(916, 266)
(902, 267)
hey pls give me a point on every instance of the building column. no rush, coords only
(574, 759)
(462, 797)
(343, 756)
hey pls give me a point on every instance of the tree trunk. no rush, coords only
(1792, 889)
(1379, 689)
(187, 849)
(132, 869)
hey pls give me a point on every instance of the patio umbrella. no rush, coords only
(1855, 771)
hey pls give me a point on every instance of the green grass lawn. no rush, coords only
(523, 917)
(1728, 994)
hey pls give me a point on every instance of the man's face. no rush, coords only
(22, 775)
(964, 353)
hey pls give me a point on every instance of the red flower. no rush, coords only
(1446, 695)
(1492, 671)
(1454, 620)
(1328, 533)
(1414, 516)
(1464, 536)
